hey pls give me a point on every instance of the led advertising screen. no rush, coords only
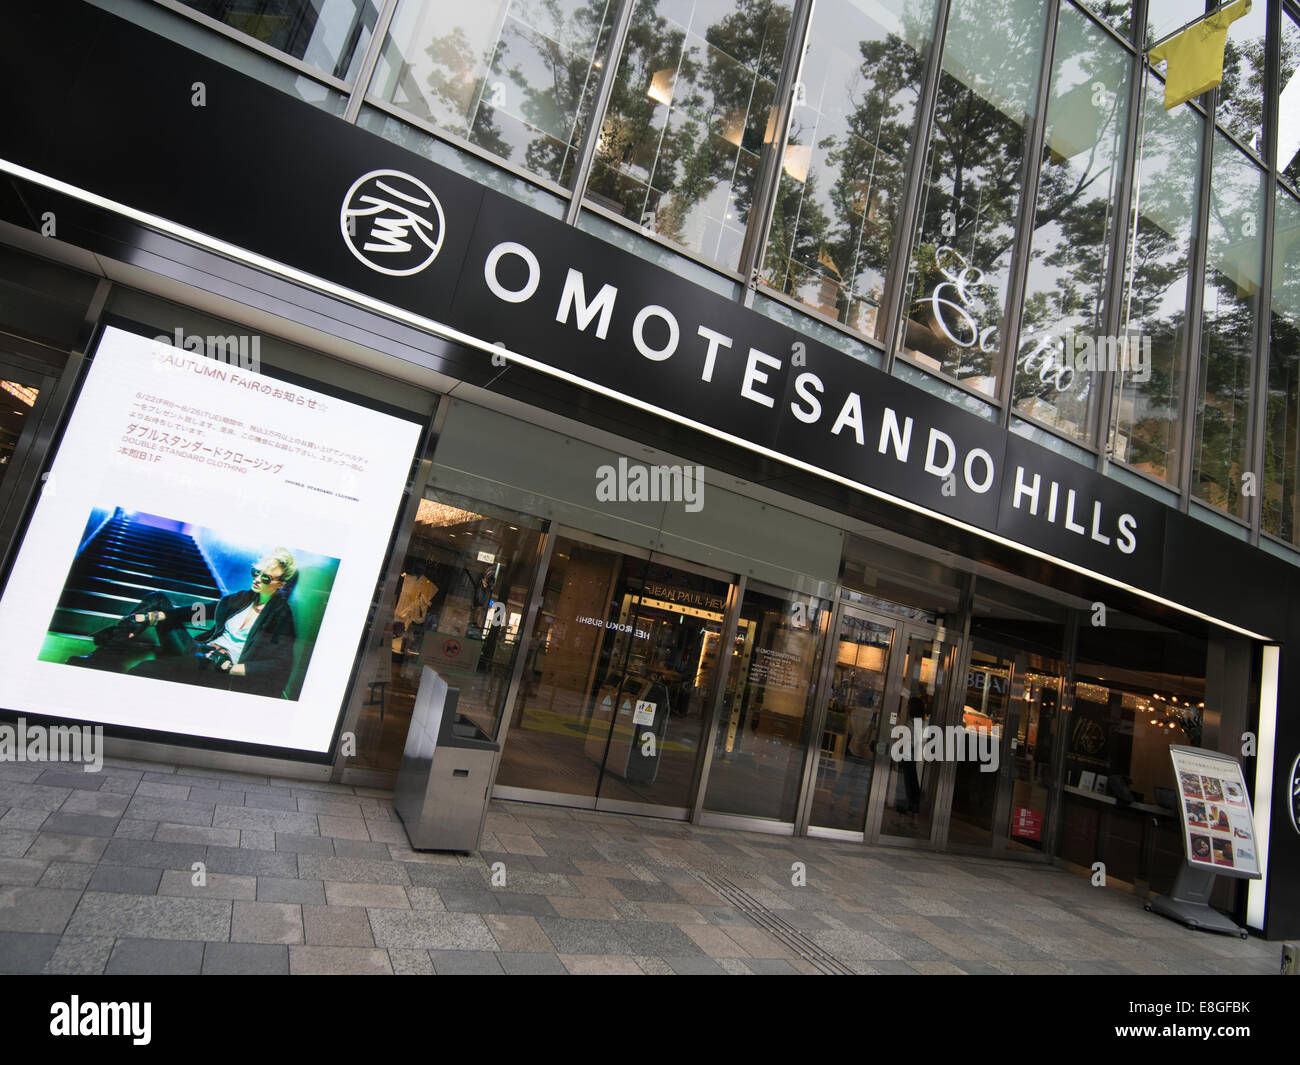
(204, 551)
(1217, 823)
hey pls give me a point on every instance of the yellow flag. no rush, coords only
(1196, 55)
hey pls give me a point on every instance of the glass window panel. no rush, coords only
(1117, 13)
(766, 718)
(1241, 94)
(1232, 284)
(1075, 226)
(1282, 436)
(690, 111)
(844, 167)
(330, 35)
(1148, 404)
(961, 260)
(1288, 121)
(515, 77)
(1166, 16)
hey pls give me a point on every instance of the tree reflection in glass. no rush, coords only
(516, 78)
(961, 257)
(1280, 499)
(1232, 284)
(843, 170)
(1148, 401)
(690, 111)
(1074, 227)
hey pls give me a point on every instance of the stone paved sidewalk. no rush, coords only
(96, 876)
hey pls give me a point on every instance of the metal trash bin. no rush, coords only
(442, 787)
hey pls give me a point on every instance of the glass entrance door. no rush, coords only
(855, 710)
(616, 691)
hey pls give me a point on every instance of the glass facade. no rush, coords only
(937, 185)
(966, 227)
(844, 169)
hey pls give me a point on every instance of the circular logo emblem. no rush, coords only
(1295, 793)
(451, 648)
(392, 222)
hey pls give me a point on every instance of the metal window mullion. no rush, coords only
(1119, 250)
(1195, 307)
(772, 154)
(1260, 365)
(369, 61)
(591, 138)
(1031, 169)
(907, 222)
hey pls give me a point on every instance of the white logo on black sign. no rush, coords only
(1295, 793)
(392, 222)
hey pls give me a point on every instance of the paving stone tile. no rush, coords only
(293, 843)
(74, 876)
(150, 917)
(327, 961)
(337, 926)
(585, 909)
(80, 956)
(244, 862)
(408, 962)
(424, 898)
(30, 820)
(572, 936)
(361, 848)
(24, 872)
(215, 796)
(466, 963)
(101, 803)
(290, 889)
(171, 811)
(346, 893)
(15, 842)
(22, 772)
(152, 855)
(641, 891)
(149, 789)
(215, 886)
(266, 922)
(342, 827)
(386, 831)
(332, 808)
(601, 964)
(79, 824)
(36, 909)
(155, 957)
(26, 952)
(275, 820)
(240, 959)
(273, 799)
(517, 933)
(356, 870)
(525, 964)
(50, 845)
(126, 879)
(430, 930)
(257, 839)
(64, 776)
(201, 834)
(129, 828)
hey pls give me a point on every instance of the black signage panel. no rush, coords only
(845, 416)
(580, 305)
(1056, 505)
(248, 165)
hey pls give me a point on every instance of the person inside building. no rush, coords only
(248, 647)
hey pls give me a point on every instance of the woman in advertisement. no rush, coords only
(248, 647)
